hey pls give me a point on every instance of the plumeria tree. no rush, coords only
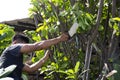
(94, 49)
(93, 52)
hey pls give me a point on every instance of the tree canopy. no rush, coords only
(93, 52)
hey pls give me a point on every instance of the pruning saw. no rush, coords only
(73, 29)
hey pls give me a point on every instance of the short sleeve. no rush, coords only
(15, 50)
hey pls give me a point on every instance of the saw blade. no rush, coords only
(73, 29)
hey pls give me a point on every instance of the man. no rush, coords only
(13, 55)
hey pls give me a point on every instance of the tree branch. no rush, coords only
(97, 21)
(89, 45)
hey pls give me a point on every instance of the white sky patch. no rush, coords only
(13, 9)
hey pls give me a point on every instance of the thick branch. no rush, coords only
(87, 60)
(97, 21)
(113, 42)
(113, 8)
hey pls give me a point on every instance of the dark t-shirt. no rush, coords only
(12, 56)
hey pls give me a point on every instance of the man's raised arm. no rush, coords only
(26, 48)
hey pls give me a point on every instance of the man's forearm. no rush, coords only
(26, 48)
(47, 43)
(38, 64)
(34, 67)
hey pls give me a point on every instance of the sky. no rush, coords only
(13, 9)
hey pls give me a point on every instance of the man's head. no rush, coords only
(20, 38)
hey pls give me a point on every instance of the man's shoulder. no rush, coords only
(14, 46)
(14, 49)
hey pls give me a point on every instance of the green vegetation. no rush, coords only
(92, 53)
(6, 33)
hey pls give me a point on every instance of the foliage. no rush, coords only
(54, 68)
(57, 13)
(57, 17)
(114, 24)
(6, 33)
(95, 43)
(98, 28)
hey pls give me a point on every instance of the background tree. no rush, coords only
(6, 33)
(93, 52)
(95, 46)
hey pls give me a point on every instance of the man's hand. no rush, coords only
(64, 37)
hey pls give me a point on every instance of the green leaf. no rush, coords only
(70, 77)
(40, 28)
(70, 71)
(89, 16)
(2, 36)
(55, 65)
(101, 28)
(50, 73)
(24, 77)
(116, 19)
(52, 29)
(43, 69)
(63, 13)
(115, 26)
(63, 72)
(77, 67)
(65, 58)
(6, 71)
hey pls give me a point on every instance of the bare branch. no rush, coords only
(87, 60)
(97, 20)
